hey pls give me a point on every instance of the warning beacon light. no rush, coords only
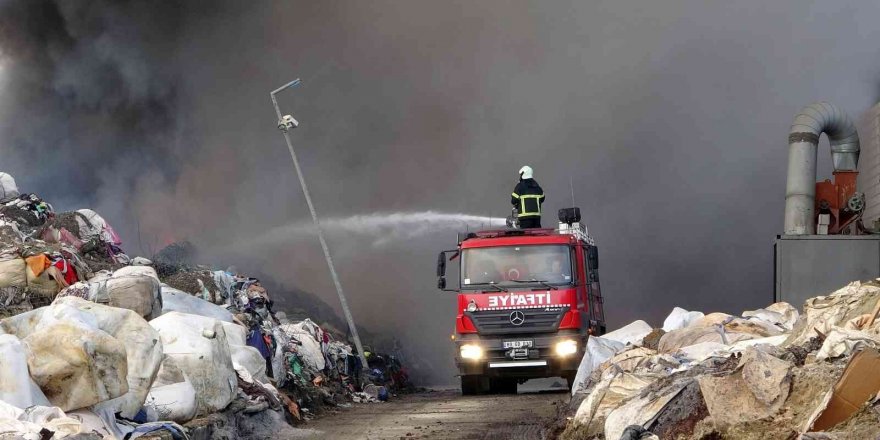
(570, 215)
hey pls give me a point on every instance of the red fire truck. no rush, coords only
(528, 299)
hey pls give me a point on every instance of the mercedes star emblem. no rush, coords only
(517, 318)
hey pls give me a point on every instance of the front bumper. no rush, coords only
(541, 359)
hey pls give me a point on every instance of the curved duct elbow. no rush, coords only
(803, 141)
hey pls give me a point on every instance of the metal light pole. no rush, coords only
(285, 123)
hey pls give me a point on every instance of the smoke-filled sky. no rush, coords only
(670, 117)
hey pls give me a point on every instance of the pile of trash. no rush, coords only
(95, 342)
(772, 373)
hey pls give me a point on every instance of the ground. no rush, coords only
(447, 415)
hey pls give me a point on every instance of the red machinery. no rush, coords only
(840, 200)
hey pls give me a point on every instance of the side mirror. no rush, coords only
(441, 283)
(593, 257)
(441, 264)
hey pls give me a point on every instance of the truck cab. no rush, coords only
(528, 299)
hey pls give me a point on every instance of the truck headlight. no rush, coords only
(566, 348)
(471, 351)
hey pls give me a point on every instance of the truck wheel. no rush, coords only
(502, 386)
(470, 385)
(569, 378)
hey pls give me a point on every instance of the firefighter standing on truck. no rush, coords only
(527, 198)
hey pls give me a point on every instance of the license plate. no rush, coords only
(519, 344)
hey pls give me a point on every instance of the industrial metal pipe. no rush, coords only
(803, 142)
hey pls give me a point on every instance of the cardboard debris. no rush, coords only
(858, 384)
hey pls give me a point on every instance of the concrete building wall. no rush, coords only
(869, 164)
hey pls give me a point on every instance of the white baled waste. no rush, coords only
(198, 347)
(134, 288)
(174, 300)
(77, 365)
(310, 351)
(12, 273)
(251, 360)
(175, 402)
(244, 355)
(16, 386)
(91, 224)
(8, 188)
(82, 353)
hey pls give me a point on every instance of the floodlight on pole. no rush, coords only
(285, 124)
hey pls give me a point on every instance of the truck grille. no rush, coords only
(498, 321)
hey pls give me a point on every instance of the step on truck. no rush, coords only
(528, 299)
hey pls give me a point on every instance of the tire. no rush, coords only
(470, 385)
(569, 378)
(502, 386)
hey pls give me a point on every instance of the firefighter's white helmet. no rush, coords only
(525, 172)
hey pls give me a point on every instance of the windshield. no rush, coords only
(516, 265)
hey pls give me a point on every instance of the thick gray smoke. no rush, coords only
(670, 118)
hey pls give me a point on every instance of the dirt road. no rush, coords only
(447, 415)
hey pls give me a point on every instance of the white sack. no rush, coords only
(607, 395)
(716, 327)
(13, 273)
(251, 360)
(139, 293)
(174, 300)
(136, 270)
(235, 334)
(704, 350)
(780, 315)
(175, 402)
(197, 345)
(93, 225)
(224, 282)
(632, 333)
(638, 411)
(757, 390)
(680, 318)
(141, 261)
(598, 351)
(8, 188)
(243, 355)
(844, 342)
(20, 424)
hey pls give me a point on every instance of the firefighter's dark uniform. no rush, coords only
(528, 197)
